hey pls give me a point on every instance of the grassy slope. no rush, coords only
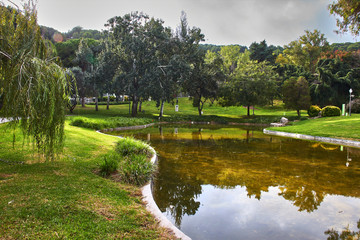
(338, 127)
(64, 198)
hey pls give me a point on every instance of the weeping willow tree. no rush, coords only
(33, 87)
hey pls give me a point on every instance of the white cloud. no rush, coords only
(222, 21)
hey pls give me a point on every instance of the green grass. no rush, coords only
(118, 115)
(336, 127)
(65, 198)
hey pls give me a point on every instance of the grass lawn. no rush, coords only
(187, 112)
(336, 127)
(64, 198)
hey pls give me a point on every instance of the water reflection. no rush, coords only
(228, 180)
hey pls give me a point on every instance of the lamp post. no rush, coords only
(350, 91)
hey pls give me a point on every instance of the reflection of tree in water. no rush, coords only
(304, 172)
(346, 234)
(177, 195)
(304, 197)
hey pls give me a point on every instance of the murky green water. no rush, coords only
(226, 182)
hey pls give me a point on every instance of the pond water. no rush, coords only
(226, 182)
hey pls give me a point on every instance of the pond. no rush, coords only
(227, 182)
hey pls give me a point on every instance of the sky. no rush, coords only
(222, 21)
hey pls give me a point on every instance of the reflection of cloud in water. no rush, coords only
(231, 214)
(254, 186)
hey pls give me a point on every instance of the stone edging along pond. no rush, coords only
(348, 143)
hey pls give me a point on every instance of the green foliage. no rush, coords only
(348, 46)
(330, 111)
(66, 50)
(34, 89)
(335, 78)
(109, 165)
(136, 169)
(139, 44)
(129, 146)
(78, 32)
(216, 48)
(131, 160)
(112, 122)
(203, 84)
(262, 52)
(51, 34)
(348, 11)
(305, 51)
(314, 110)
(251, 84)
(296, 94)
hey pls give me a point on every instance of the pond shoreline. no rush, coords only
(146, 190)
(183, 122)
(337, 141)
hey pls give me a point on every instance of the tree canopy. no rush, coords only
(349, 13)
(296, 94)
(33, 88)
(305, 51)
(251, 84)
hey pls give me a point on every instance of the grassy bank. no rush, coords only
(335, 127)
(65, 199)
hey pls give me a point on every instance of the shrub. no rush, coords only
(330, 111)
(136, 169)
(111, 122)
(86, 123)
(314, 111)
(129, 146)
(109, 165)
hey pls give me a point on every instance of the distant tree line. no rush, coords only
(139, 57)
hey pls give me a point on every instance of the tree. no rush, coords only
(85, 60)
(349, 11)
(335, 78)
(305, 51)
(136, 45)
(33, 88)
(204, 80)
(252, 84)
(296, 94)
(230, 55)
(204, 75)
(262, 52)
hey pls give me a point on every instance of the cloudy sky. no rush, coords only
(222, 21)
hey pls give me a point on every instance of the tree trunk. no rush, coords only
(248, 111)
(140, 104)
(96, 104)
(134, 108)
(162, 108)
(253, 110)
(298, 112)
(108, 102)
(200, 107)
(83, 102)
